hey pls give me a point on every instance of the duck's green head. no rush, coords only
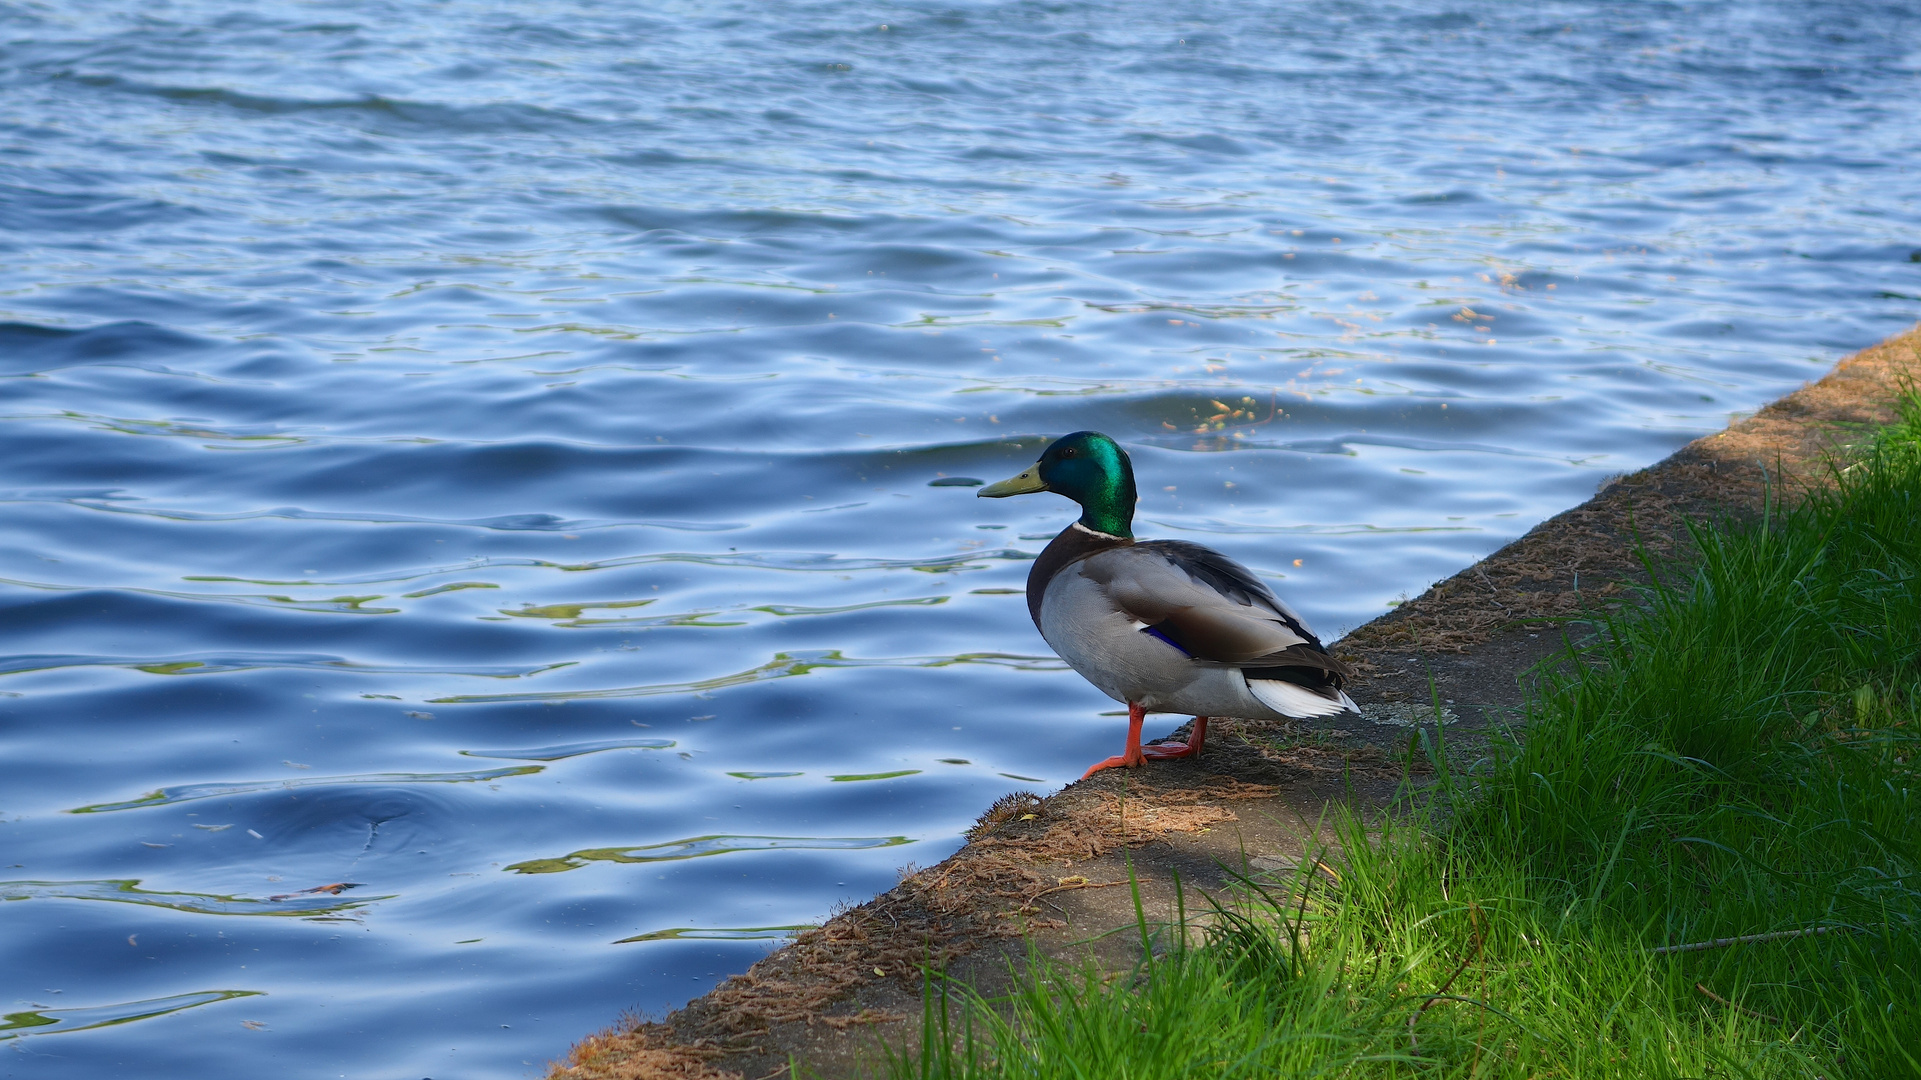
(1089, 468)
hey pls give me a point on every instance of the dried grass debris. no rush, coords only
(635, 1049)
(1015, 806)
(890, 937)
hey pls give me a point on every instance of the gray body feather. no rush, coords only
(1179, 628)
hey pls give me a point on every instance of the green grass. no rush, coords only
(1736, 756)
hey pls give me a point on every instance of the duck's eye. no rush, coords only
(1069, 452)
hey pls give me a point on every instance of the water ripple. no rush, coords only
(317, 901)
(557, 753)
(720, 933)
(189, 792)
(207, 664)
(49, 1021)
(702, 846)
(782, 666)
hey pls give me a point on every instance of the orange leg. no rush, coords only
(1131, 756)
(1135, 755)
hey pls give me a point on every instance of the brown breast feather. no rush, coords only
(1070, 546)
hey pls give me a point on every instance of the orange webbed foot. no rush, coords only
(1119, 761)
(1195, 739)
(1137, 755)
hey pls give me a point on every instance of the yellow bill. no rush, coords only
(1026, 483)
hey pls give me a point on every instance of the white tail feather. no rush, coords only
(1296, 701)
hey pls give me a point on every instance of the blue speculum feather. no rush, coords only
(1155, 632)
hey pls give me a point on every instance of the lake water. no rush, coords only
(488, 453)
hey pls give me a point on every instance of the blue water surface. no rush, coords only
(474, 550)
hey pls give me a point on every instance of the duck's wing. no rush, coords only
(1213, 609)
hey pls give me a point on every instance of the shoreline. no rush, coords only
(1042, 871)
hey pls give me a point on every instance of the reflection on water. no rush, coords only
(317, 901)
(557, 753)
(736, 933)
(782, 666)
(211, 665)
(47, 1021)
(422, 386)
(699, 846)
(190, 792)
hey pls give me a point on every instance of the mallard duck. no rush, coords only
(1163, 625)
